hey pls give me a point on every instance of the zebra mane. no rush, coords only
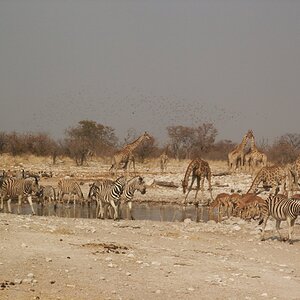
(135, 179)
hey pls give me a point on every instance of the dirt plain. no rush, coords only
(50, 257)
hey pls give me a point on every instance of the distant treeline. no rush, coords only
(89, 138)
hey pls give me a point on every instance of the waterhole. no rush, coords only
(140, 211)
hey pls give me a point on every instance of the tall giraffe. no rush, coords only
(200, 170)
(254, 156)
(126, 154)
(235, 157)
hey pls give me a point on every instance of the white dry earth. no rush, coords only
(72, 258)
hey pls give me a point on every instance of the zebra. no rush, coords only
(69, 187)
(47, 192)
(281, 208)
(135, 184)
(96, 189)
(13, 187)
(109, 195)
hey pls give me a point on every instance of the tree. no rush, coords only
(189, 142)
(89, 136)
(285, 149)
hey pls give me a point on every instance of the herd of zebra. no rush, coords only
(106, 193)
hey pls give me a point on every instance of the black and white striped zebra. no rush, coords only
(109, 195)
(135, 184)
(282, 209)
(69, 187)
(13, 187)
(47, 194)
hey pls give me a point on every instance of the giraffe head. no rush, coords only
(184, 186)
(250, 134)
(146, 136)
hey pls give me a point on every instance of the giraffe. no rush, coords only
(200, 170)
(254, 156)
(125, 155)
(163, 160)
(235, 157)
(294, 173)
(272, 176)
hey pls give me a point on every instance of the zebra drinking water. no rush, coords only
(69, 187)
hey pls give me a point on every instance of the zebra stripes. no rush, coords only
(107, 193)
(69, 187)
(135, 184)
(99, 188)
(47, 193)
(20, 188)
(282, 209)
(111, 196)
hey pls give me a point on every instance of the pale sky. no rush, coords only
(149, 64)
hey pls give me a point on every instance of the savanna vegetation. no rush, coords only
(88, 138)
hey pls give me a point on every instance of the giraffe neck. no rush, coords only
(244, 142)
(130, 147)
(188, 171)
(252, 145)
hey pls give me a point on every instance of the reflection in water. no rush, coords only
(143, 211)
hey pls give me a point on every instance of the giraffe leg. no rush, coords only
(198, 187)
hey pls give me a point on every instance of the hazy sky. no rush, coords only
(148, 64)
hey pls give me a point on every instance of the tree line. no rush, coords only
(89, 138)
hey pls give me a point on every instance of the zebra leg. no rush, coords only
(115, 207)
(31, 205)
(129, 205)
(291, 229)
(2, 203)
(101, 210)
(278, 230)
(19, 203)
(8, 205)
(265, 220)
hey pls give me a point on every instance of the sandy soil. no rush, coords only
(67, 258)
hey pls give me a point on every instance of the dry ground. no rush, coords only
(67, 258)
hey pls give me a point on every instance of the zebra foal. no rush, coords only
(47, 194)
(280, 208)
(69, 187)
(20, 188)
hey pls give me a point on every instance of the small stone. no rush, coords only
(18, 281)
(128, 274)
(30, 275)
(48, 259)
